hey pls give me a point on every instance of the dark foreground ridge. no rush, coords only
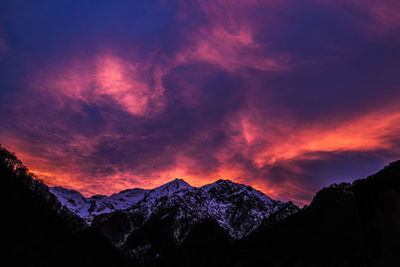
(354, 224)
(34, 234)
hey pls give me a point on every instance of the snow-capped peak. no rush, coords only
(88, 208)
(170, 188)
(237, 208)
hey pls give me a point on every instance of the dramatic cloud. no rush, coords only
(284, 96)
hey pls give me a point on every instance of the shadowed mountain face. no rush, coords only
(346, 225)
(148, 223)
(354, 224)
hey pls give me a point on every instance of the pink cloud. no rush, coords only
(228, 40)
(231, 50)
(384, 14)
(101, 80)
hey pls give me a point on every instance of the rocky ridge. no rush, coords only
(237, 208)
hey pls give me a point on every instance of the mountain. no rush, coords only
(88, 208)
(348, 224)
(176, 208)
(220, 224)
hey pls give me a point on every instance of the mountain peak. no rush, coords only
(171, 187)
(225, 181)
(182, 183)
(178, 183)
(236, 208)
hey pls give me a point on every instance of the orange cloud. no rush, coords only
(263, 146)
(363, 134)
(273, 143)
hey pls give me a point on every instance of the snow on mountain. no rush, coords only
(237, 208)
(168, 189)
(72, 200)
(88, 208)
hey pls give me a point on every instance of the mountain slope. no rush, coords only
(34, 234)
(148, 224)
(237, 208)
(354, 224)
(88, 208)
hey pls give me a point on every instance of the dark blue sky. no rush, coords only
(286, 96)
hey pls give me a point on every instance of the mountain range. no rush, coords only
(238, 209)
(220, 224)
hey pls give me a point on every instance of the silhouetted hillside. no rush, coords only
(346, 225)
(33, 234)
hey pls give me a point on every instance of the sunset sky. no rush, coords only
(285, 96)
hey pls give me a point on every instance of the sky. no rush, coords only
(286, 96)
